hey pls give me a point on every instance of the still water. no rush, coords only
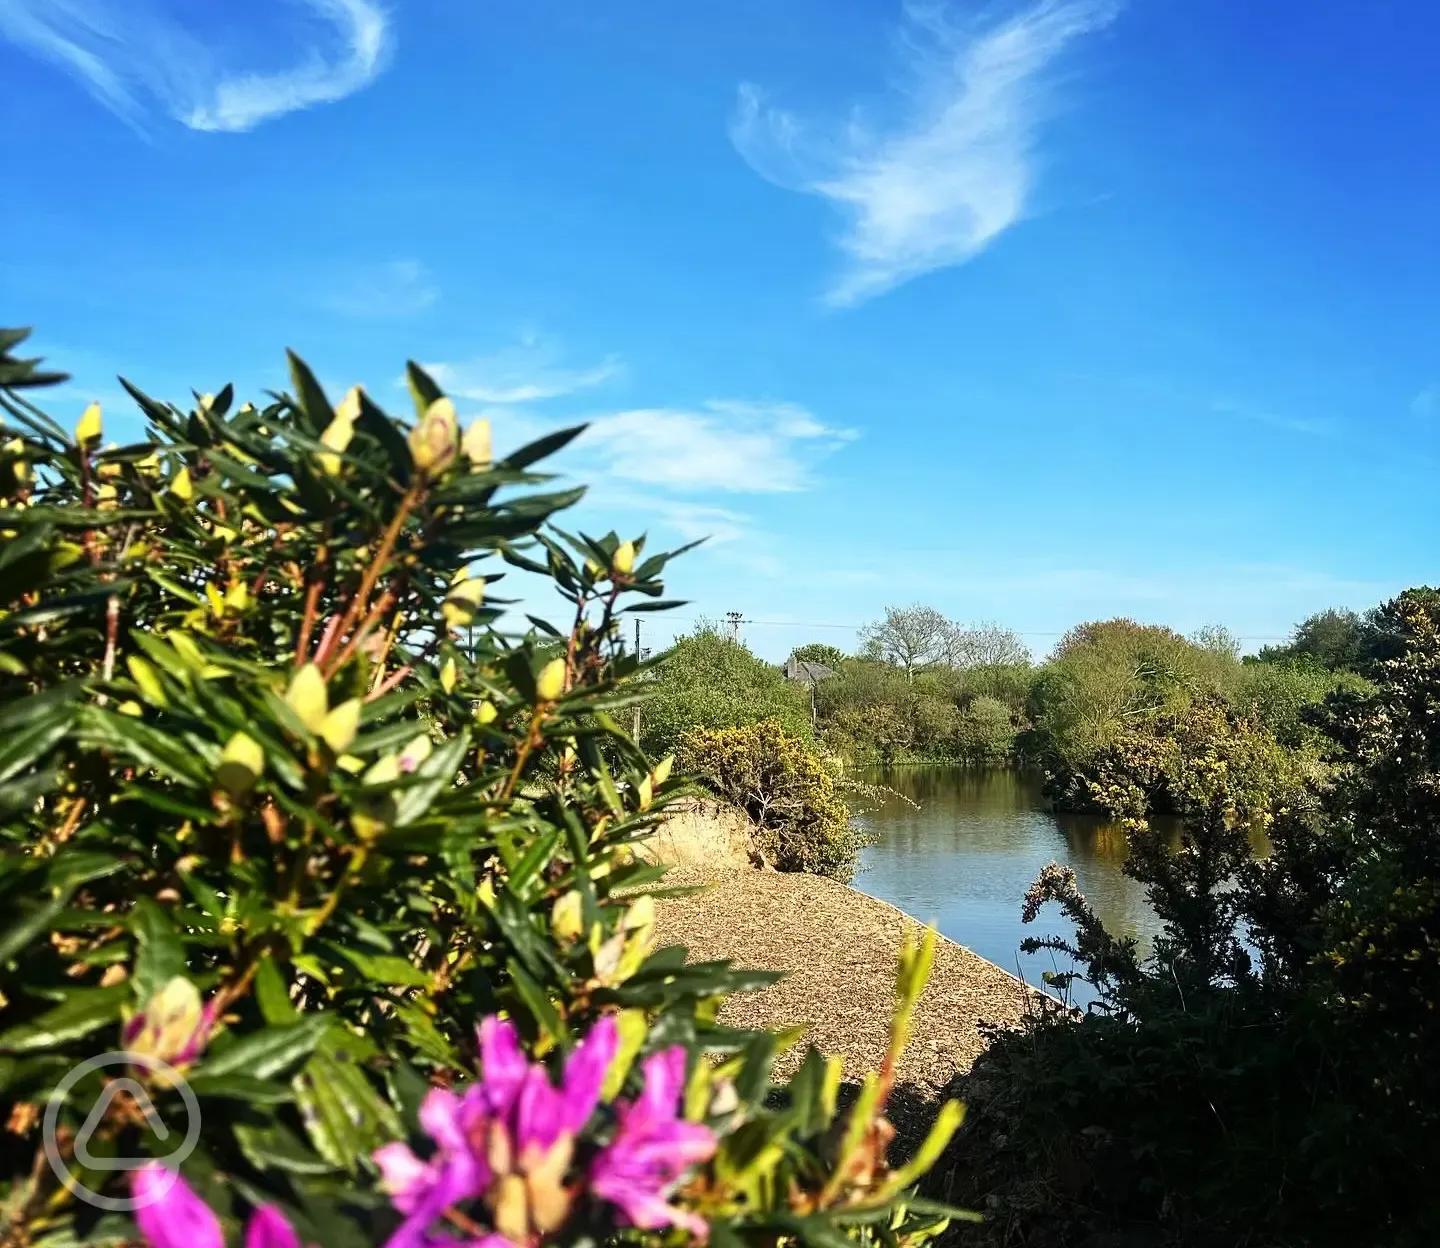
(965, 858)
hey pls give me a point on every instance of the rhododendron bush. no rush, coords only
(315, 836)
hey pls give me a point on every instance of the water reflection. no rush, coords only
(965, 857)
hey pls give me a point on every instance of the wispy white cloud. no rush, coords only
(527, 373)
(394, 288)
(934, 187)
(726, 446)
(134, 57)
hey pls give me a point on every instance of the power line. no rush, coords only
(732, 618)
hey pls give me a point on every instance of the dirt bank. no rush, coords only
(839, 947)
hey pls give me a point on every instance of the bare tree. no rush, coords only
(984, 645)
(909, 637)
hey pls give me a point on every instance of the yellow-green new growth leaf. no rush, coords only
(339, 726)
(631, 1027)
(946, 1123)
(147, 679)
(307, 697)
(89, 429)
(241, 763)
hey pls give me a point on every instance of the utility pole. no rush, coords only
(734, 619)
(639, 655)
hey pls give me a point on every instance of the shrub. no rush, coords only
(985, 733)
(709, 681)
(285, 815)
(785, 787)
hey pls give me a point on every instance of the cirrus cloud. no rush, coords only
(937, 185)
(133, 56)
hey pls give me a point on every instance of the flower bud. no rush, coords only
(486, 713)
(415, 753)
(663, 769)
(476, 445)
(463, 600)
(434, 441)
(449, 674)
(307, 697)
(567, 918)
(550, 684)
(241, 763)
(181, 486)
(88, 429)
(173, 1027)
(622, 563)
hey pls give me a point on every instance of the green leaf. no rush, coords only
(378, 425)
(426, 1037)
(272, 994)
(272, 1145)
(541, 448)
(311, 400)
(381, 968)
(422, 387)
(238, 1087)
(84, 1010)
(22, 749)
(435, 774)
(345, 1117)
(272, 1051)
(161, 955)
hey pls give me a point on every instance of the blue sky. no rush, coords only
(1035, 312)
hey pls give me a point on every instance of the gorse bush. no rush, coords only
(289, 818)
(789, 792)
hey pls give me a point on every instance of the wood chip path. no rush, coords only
(839, 947)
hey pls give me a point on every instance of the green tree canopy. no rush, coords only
(819, 652)
(710, 681)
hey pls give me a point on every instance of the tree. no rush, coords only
(818, 652)
(708, 681)
(984, 645)
(1217, 639)
(909, 637)
(1333, 638)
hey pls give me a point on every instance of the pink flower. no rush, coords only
(652, 1148)
(269, 1228)
(508, 1139)
(171, 1215)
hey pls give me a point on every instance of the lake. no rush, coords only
(965, 858)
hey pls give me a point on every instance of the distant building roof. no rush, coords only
(806, 671)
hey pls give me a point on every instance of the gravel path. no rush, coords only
(840, 948)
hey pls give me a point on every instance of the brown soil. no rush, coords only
(839, 947)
